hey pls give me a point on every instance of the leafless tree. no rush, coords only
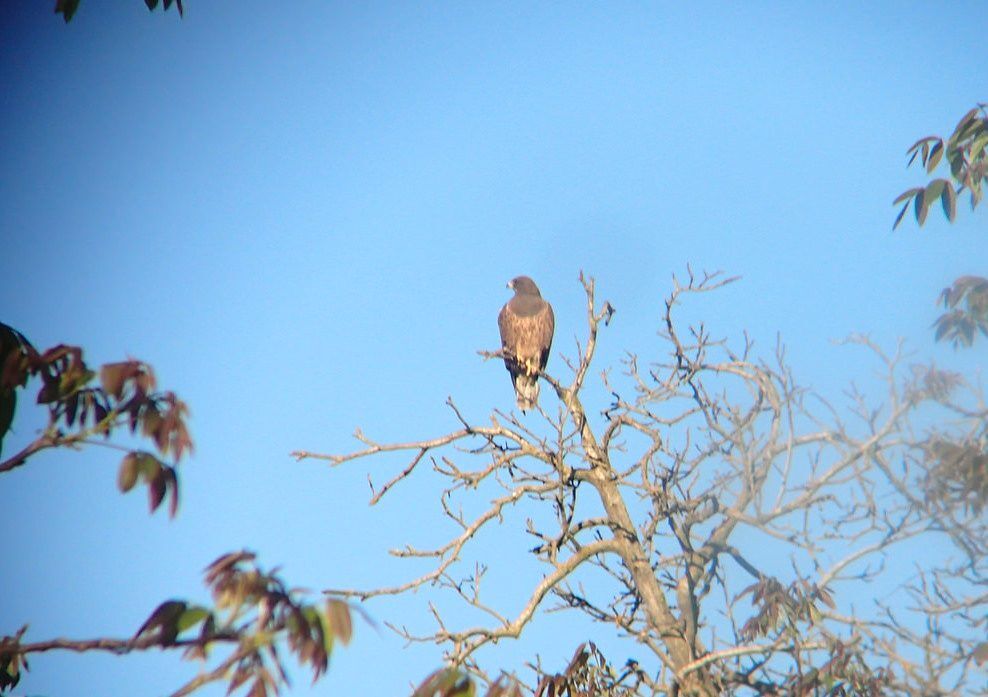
(703, 465)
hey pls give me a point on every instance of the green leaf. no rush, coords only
(898, 218)
(978, 146)
(970, 130)
(965, 120)
(920, 208)
(948, 199)
(957, 164)
(922, 141)
(906, 195)
(933, 191)
(338, 620)
(191, 617)
(935, 155)
(151, 4)
(147, 464)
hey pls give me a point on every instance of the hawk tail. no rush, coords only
(527, 391)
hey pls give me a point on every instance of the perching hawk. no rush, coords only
(526, 323)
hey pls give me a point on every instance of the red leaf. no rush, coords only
(156, 491)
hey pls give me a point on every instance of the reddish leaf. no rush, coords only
(8, 405)
(156, 491)
(127, 474)
(222, 565)
(258, 689)
(165, 619)
(101, 414)
(240, 676)
(112, 377)
(71, 407)
(980, 654)
(150, 420)
(173, 501)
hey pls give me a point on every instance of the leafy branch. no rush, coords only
(964, 152)
(67, 8)
(82, 412)
(254, 612)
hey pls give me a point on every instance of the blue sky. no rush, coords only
(304, 214)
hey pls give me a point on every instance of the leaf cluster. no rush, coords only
(12, 661)
(786, 612)
(844, 674)
(67, 8)
(80, 409)
(965, 154)
(589, 674)
(966, 305)
(957, 474)
(253, 611)
(781, 608)
(455, 682)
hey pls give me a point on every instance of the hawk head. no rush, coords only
(523, 285)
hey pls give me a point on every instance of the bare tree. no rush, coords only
(702, 465)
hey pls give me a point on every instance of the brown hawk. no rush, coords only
(526, 323)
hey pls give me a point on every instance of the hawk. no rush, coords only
(526, 323)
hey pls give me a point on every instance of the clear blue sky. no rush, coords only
(304, 214)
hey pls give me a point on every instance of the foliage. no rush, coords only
(588, 674)
(254, 611)
(80, 411)
(966, 304)
(67, 8)
(965, 154)
(654, 520)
